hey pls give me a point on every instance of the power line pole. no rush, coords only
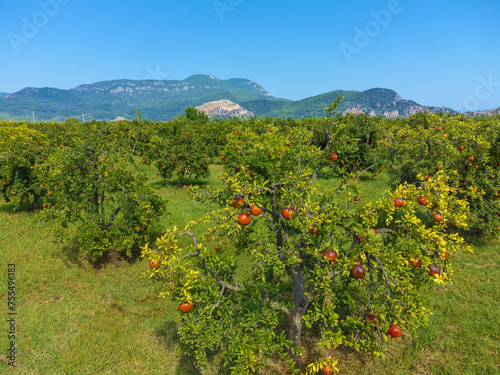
(83, 116)
(33, 113)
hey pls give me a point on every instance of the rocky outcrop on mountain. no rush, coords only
(490, 112)
(162, 100)
(27, 91)
(402, 108)
(196, 82)
(224, 109)
(407, 108)
(386, 103)
(354, 110)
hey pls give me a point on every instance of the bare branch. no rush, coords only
(333, 273)
(440, 263)
(368, 258)
(387, 136)
(362, 172)
(388, 284)
(269, 220)
(113, 216)
(193, 239)
(385, 276)
(265, 293)
(385, 230)
(215, 305)
(428, 146)
(135, 144)
(125, 191)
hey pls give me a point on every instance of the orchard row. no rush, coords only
(350, 272)
(412, 150)
(319, 259)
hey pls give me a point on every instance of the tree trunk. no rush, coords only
(96, 200)
(34, 206)
(295, 328)
(276, 222)
(301, 303)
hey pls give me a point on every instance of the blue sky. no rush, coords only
(434, 52)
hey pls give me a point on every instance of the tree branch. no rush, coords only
(368, 258)
(237, 287)
(112, 217)
(387, 136)
(215, 305)
(385, 276)
(103, 220)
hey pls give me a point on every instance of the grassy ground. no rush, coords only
(74, 318)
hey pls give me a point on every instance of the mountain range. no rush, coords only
(162, 100)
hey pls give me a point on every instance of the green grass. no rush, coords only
(74, 318)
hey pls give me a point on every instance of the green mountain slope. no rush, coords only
(377, 102)
(162, 100)
(157, 100)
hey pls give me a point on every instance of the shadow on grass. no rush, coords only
(6, 208)
(72, 252)
(169, 338)
(23, 208)
(477, 239)
(116, 258)
(187, 182)
(367, 177)
(74, 255)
